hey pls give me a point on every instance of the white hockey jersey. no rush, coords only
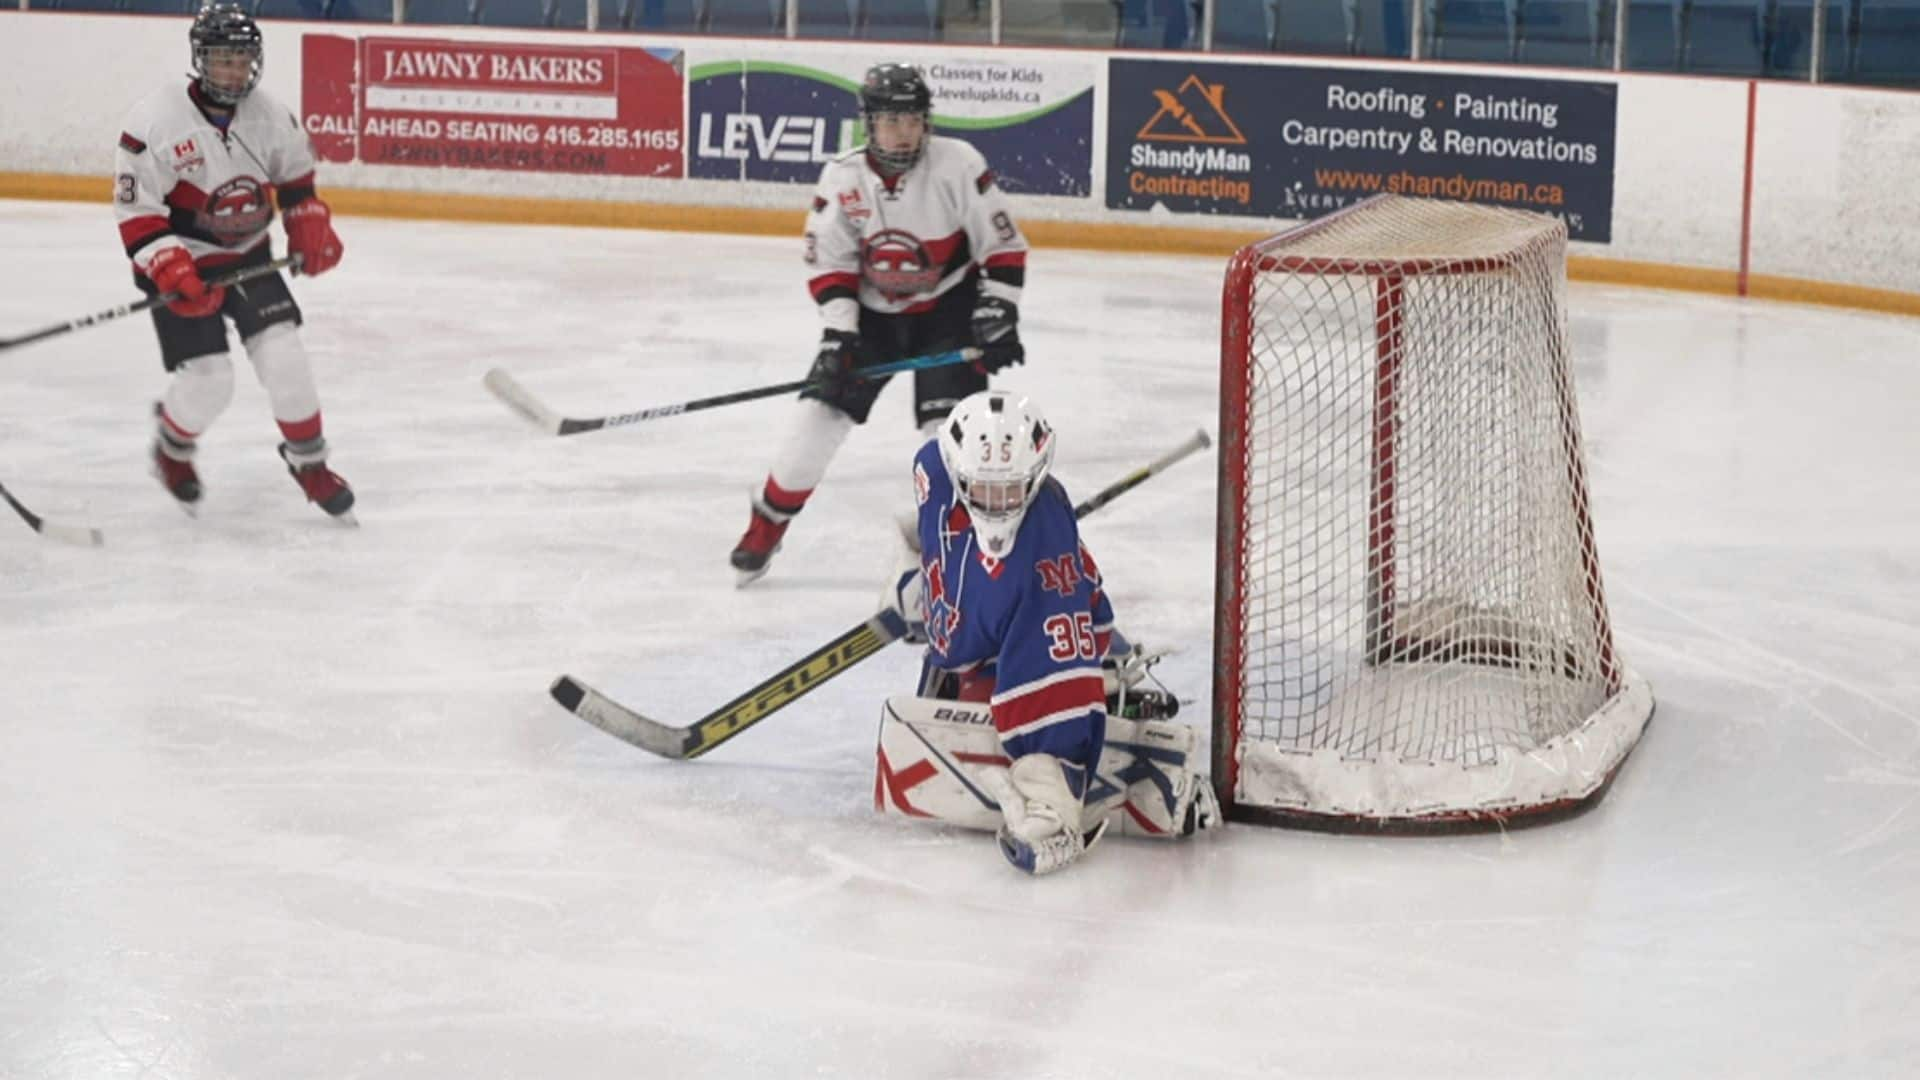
(180, 180)
(895, 244)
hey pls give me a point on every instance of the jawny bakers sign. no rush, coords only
(493, 105)
(1269, 141)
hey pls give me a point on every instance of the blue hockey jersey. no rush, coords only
(1038, 620)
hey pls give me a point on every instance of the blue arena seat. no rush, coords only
(1243, 25)
(654, 16)
(287, 9)
(826, 18)
(760, 18)
(1320, 27)
(1153, 24)
(1887, 50)
(516, 12)
(142, 7)
(361, 10)
(1720, 37)
(1786, 38)
(441, 12)
(897, 20)
(1481, 30)
(1566, 33)
(1653, 35)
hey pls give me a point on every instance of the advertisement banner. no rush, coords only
(1270, 141)
(763, 118)
(612, 110)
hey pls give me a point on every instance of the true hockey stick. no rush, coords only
(71, 534)
(517, 398)
(799, 678)
(245, 273)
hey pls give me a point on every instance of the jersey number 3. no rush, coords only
(1072, 636)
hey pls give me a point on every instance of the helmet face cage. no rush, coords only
(998, 449)
(895, 88)
(222, 32)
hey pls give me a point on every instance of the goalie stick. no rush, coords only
(520, 400)
(71, 534)
(802, 676)
(245, 273)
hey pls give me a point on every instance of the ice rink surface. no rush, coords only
(280, 799)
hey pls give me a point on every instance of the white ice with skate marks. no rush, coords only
(285, 799)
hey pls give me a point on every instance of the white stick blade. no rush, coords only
(73, 534)
(515, 397)
(617, 720)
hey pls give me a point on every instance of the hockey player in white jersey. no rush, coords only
(910, 249)
(201, 164)
(1031, 722)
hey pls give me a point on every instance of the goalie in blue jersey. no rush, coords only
(1030, 721)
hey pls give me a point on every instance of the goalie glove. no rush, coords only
(1042, 831)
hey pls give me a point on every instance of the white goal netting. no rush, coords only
(1411, 625)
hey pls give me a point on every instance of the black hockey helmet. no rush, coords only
(225, 27)
(895, 88)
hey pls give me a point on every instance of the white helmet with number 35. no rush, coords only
(997, 447)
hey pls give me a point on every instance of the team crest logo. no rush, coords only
(897, 264)
(857, 211)
(187, 156)
(922, 487)
(236, 210)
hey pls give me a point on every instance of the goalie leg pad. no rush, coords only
(937, 761)
(1146, 783)
(931, 759)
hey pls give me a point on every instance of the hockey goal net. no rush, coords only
(1410, 631)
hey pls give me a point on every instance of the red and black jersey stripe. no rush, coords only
(837, 285)
(294, 192)
(137, 233)
(1008, 268)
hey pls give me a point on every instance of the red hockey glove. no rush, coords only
(172, 271)
(310, 235)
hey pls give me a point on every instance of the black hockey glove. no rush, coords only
(834, 364)
(996, 333)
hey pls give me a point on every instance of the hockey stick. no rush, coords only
(517, 398)
(799, 678)
(71, 534)
(245, 273)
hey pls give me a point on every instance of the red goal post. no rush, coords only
(1410, 627)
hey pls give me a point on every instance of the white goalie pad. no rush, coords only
(936, 760)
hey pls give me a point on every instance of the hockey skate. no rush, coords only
(752, 555)
(173, 466)
(322, 485)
